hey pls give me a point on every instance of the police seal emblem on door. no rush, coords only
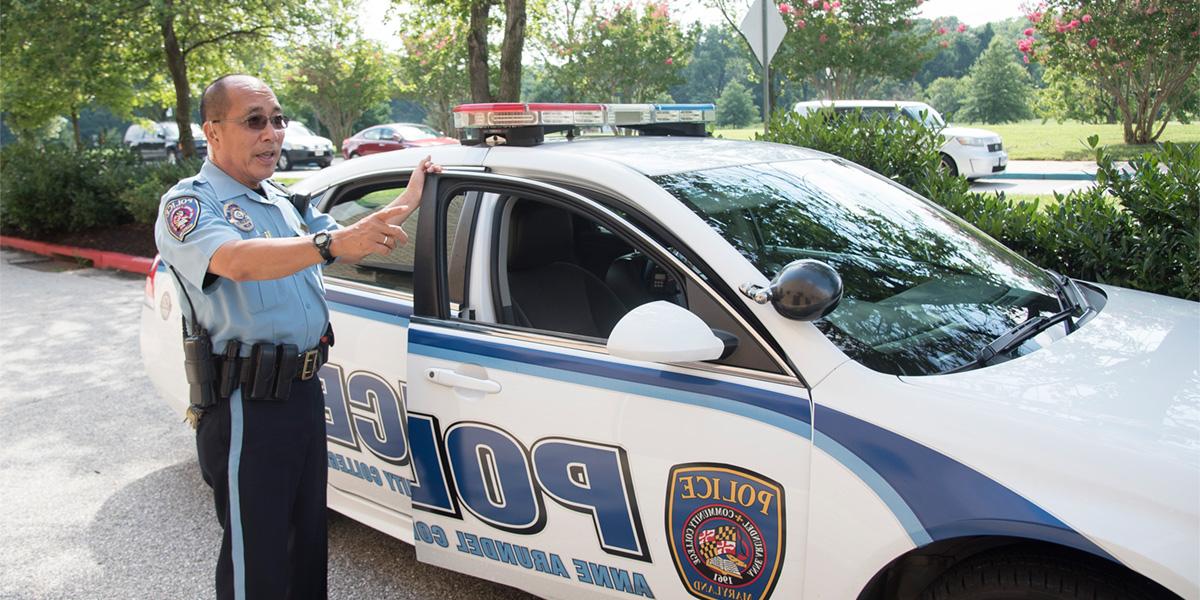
(726, 529)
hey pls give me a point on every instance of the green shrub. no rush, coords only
(55, 188)
(1140, 231)
(151, 182)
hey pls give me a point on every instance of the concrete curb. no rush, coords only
(101, 259)
(1062, 176)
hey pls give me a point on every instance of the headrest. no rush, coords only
(539, 234)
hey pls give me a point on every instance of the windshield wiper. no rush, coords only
(1069, 297)
(1011, 339)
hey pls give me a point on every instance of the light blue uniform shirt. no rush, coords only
(202, 213)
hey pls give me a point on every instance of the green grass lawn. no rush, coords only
(1034, 140)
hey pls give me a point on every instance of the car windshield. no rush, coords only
(932, 118)
(417, 132)
(298, 128)
(923, 291)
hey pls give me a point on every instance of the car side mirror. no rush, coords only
(397, 137)
(804, 290)
(664, 332)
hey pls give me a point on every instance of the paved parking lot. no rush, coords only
(102, 496)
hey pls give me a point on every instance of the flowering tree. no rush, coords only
(434, 63)
(835, 45)
(339, 82)
(630, 53)
(1141, 52)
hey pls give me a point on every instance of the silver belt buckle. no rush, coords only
(311, 360)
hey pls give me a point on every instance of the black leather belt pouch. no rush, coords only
(263, 365)
(289, 365)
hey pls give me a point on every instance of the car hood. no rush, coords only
(952, 131)
(1131, 375)
(308, 140)
(440, 141)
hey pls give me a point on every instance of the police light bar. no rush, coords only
(525, 124)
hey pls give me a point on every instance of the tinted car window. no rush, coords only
(371, 134)
(394, 271)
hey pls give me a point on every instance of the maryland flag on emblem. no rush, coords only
(727, 530)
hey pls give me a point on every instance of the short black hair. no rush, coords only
(215, 99)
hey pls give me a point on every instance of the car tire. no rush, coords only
(949, 166)
(284, 163)
(1035, 575)
(353, 155)
(324, 163)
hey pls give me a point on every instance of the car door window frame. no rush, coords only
(430, 276)
(333, 195)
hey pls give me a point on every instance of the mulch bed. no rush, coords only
(132, 238)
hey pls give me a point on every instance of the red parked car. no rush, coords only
(393, 136)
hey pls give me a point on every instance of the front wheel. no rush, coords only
(949, 166)
(1037, 575)
(284, 163)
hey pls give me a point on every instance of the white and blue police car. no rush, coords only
(671, 366)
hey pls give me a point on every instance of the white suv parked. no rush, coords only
(972, 153)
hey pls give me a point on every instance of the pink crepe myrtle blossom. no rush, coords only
(1025, 45)
(1087, 18)
(786, 9)
(800, 24)
(1093, 43)
(824, 38)
(825, 6)
(836, 4)
(941, 31)
(944, 44)
(1025, 57)
(1028, 32)
(1035, 17)
(962, 27)
(1074, 24)
(669, 61)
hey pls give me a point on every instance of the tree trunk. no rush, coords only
(511, 50)
(75, 128)
(177, 66)
(477, 51)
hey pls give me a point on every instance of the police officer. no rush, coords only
(249, 264)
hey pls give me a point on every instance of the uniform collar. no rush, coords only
(227, 187)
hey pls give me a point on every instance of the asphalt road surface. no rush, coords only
(101, 495)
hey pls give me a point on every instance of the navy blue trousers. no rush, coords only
(266, 463)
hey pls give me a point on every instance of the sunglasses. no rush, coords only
(259, 122)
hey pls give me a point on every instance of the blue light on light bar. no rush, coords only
(685, 107)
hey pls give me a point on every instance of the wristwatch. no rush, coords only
(322, 241)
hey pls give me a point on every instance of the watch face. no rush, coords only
(321, 239)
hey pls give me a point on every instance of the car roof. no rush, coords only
(859, 103)
(663, 155)
(651, 156)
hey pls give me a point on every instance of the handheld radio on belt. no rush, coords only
(197, 363)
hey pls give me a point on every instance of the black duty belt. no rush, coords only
(268, 373)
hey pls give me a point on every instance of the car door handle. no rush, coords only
(449, 378)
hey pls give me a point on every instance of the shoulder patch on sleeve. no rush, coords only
(181, 215)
